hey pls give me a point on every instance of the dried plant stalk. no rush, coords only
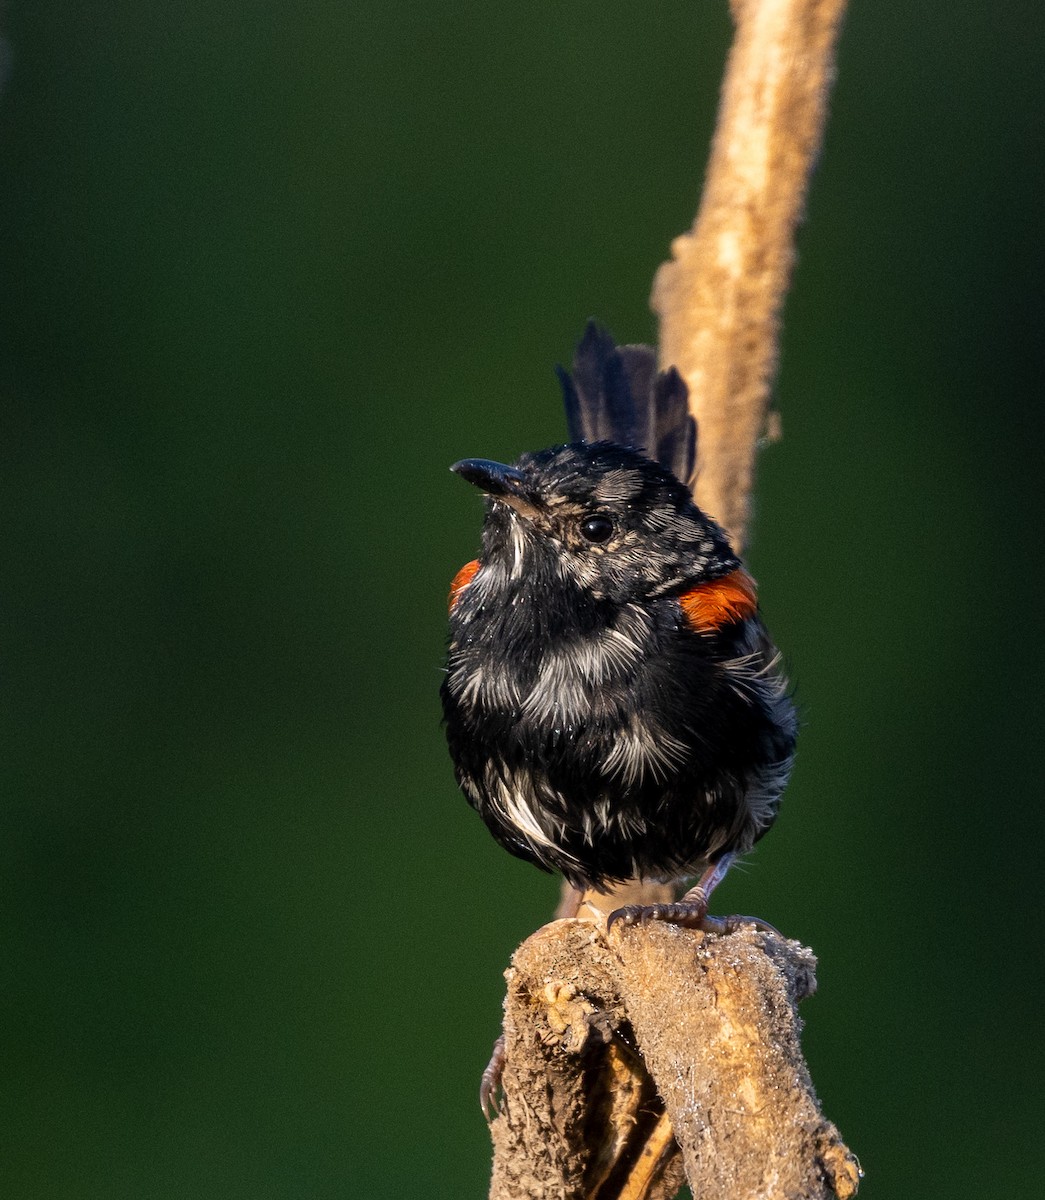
(657, 1050)
(720, 296)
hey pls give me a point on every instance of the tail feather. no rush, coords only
(616, 395)
(608, 409)
(640, 366)
(675, 428)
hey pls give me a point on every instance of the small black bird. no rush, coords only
(614, 706)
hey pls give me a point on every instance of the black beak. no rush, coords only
(494, 478)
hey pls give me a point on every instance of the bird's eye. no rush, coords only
(597, 528)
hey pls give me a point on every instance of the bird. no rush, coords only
(614, 706)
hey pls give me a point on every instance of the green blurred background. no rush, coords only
(267, 270)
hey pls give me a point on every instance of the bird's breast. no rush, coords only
(558, 669)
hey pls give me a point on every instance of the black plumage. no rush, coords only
(614, 707)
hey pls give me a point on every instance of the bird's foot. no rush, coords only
(687, 915)
(691, 910)
(730, 924)
(690, 916)
(490, 1083)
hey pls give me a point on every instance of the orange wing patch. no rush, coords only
(710, 605)
(461, 580)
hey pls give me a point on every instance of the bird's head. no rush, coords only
(598, 516)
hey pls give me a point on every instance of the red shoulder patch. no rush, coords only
(710, 605)
(461, 580)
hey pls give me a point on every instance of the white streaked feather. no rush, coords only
(512, 797)
(643, 748)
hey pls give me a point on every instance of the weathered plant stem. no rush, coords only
(720, 296)
(655, 1051)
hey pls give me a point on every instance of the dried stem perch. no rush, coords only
(615, 1045)
(660, 1055)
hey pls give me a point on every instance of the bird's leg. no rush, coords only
(570, 900)
(691, 909)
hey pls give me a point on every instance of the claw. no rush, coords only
(490, 1082)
